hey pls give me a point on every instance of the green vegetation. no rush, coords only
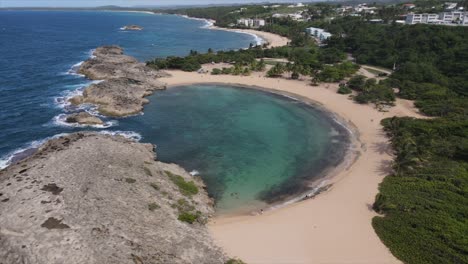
(431, 61)
(153, 206)
(130, 180)
(344, 89)
(186, 212)
(425, 202)
(337, 72)
(185, 187)
(235, 261)
(188, 217)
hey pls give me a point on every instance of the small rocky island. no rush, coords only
(124, 82)
(93, 198)
(133, 27)
(83, 118)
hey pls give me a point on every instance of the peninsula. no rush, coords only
(124, 82)
(93, 198)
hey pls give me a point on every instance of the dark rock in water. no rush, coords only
(84, 118)
(133, 27)
(126, 82)
(75, 206)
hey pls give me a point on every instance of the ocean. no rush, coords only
(250, 147)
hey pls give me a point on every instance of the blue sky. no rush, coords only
(88, 3)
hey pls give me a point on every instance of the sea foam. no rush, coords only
(6, 160)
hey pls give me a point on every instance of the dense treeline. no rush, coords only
(431, 61)
(425, 202)
(324, 64)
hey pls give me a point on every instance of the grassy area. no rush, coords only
(187, 188)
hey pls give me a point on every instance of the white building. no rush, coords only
(252, 23)
(445, 18)
(422, 18)
(455, 17)
(319, 33)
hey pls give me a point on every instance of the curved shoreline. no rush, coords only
(317, 182)
(334, 226)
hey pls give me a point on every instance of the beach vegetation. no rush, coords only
(276, 71)
(343, 89)
(425, 201)
(153, 206)
(187, 188)
(188, 217)
(235, 261)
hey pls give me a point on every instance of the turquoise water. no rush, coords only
(249, 146)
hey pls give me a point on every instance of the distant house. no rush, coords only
(319, 33)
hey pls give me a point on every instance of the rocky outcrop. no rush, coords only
(133, 27)
(83, 118)
(93, 198)
(125, 82)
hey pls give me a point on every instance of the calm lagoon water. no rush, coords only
(248, 146)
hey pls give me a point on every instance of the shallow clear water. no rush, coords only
(249, 146)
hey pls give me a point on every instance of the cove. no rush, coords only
(249, 146)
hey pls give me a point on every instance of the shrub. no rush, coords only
(235, 261)
(344, 90)
(216, 71)
(188, 217)
(186, 188)
(153, 206)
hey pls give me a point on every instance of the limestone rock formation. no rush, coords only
(93, 198)
(125, 82)
(83, 118)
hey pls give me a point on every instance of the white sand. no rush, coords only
(335, 226)
(272, 39)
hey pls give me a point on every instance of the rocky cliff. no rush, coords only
(93, 198)
(125, 82)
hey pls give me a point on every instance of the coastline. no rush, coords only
(337, 220)
(273, 40)
(322, 180)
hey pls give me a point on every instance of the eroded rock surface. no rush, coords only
(125, 82)
(93, 198)
(83, 118)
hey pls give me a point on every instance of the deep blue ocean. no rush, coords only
(250, 147)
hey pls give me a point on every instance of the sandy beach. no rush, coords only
(335, 226)
(272, 39)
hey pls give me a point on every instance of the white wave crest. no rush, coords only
(126, 134)
(6, 160)
(194, 173)
(60, 120)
